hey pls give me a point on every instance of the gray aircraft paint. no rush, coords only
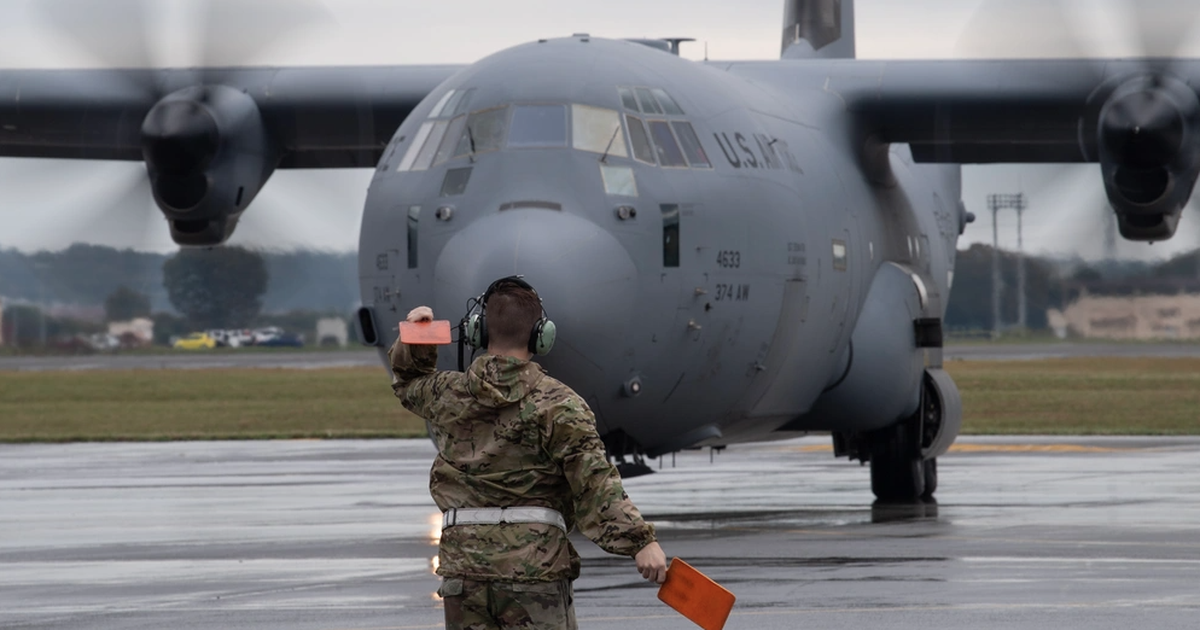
(620, 312)
(814, 253)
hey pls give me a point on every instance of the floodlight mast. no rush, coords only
(996, 203)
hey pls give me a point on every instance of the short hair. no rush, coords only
(512, 312)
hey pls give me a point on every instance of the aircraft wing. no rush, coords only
(315, 117)
(1035, 111)
(1139, 119)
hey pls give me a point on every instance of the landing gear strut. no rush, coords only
(903, 456)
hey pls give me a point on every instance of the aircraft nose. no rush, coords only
(584, 275)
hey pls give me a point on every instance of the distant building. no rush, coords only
(332, 330)
(1137, 317)
(139, 329)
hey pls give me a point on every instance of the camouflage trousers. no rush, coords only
(477, 605)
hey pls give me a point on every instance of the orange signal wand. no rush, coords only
(435, 333)
(696, 596)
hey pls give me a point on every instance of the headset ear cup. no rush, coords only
(543, 340)
(474, 331)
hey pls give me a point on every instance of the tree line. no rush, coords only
(192, 289)
(232, 287)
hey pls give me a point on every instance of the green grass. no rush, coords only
(1060, 396)
(201, 404)
(1094, 396)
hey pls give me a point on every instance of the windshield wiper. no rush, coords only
(604, 158)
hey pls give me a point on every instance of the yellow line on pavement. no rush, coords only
(994, 448)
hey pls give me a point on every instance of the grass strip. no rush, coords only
(1121, 396)
(1080, 396)
(216, 404)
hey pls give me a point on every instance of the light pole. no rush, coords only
(997, 202)
(40, 266)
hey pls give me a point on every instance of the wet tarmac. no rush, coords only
(1028, 533)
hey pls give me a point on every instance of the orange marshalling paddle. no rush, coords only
(696, 596)
(425, 333)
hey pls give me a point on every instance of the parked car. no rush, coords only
(284, 340)
(239, 337)
(263, 335)
(196, 341)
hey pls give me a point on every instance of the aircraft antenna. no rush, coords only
(604, 158)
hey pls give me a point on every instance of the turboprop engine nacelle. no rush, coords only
(1149, 154)
(208, 155)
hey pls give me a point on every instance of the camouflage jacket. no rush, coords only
(509, 435)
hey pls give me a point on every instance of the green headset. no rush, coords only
(541, 337)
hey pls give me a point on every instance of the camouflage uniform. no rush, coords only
(509, 435)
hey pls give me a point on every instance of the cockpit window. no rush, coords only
(452, 103)
(425, 157)
(597, 130)
(418, 142)
(484, 132)
(463, 103)
(538, 126)
(453, 133)
(441, 104)
(640, 141)
(691, 144)
(669, 153)
(628, 99)
(668, 104)
(646, 100)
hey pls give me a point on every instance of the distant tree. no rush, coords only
(220, 287)
(1185, 266)
(970, 305)
(21, 326)
(167, 325)
(125, 304)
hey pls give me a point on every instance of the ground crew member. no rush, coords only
(519, 465)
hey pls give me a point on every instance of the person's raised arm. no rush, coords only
(414, 370)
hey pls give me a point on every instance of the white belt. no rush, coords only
(495, 516)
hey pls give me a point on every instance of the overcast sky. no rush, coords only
(48, 204)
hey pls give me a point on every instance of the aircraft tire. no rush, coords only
(930, 466)
(897, 471)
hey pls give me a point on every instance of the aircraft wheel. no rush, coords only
(897, 471)
(930, 478)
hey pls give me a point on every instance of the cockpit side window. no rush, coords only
(484, 131)
(646, 100)
(628, 99)
(667, 148)
(419, 139)
(668, 104)
(453, 133)
(642, 150)
(425, 157)
(691, 144)
(538, 126)
(452, 103)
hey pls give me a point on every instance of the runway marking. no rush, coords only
(995, 448)
(1043, 559)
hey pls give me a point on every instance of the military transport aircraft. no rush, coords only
(732, 251)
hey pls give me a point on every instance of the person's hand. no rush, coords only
(652, 563)
(420, 314)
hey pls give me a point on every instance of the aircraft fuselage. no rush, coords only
(704, 292)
